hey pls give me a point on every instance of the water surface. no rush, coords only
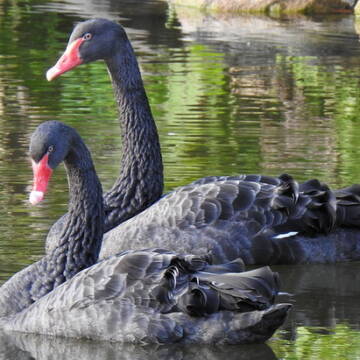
(230, 95)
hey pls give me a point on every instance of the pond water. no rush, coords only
(230, 95)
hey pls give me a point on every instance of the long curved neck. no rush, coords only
(81, 237)
(141, 180)
(79, 243)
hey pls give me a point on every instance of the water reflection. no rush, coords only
(26, 346)
(326, 294)
(230, 95)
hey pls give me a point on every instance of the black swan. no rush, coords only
(138, 296)
(79, 243)
(259, 218)
(140, 182)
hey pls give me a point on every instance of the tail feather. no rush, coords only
(320, 214)
(272, 319)
(348, 206)
(241, 292)
(287, 194)
(250, 327)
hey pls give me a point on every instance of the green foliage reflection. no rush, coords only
(311, 343)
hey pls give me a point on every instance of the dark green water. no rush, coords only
(230, 95)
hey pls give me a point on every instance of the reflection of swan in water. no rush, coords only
(10, 350)
(324, 294)
(139, 296)
(258, 218)
(30, 346)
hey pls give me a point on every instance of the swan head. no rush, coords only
(90, 40)
(49, 145)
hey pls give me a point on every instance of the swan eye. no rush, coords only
(51, 148)
(87, 36)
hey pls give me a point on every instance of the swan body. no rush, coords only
(264, 220)
(137, 296)
(155, 296)
(261, 219)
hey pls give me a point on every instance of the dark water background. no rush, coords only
(230, 95)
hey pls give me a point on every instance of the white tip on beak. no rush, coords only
(35, 197)
(51, 73)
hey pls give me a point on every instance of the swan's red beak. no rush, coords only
(69, 59)
(42, 174)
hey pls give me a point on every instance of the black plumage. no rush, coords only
(157, 296)
(138, 296)
(262, 219)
